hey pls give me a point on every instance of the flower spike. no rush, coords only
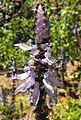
(42, 29)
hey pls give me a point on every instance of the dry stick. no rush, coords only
(4, 96)
(3, 11)
(13, 88)
(63, 63)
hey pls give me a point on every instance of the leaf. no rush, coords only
(47, 61)
(48, 52)
(35, 94)
(30, 82)
(23, 75)
(26, 68)
(22, 46)
(43, 46)
(48, 86)
(34, 51)
(56, 83)
(12, 68)
(50, 91)
(23, 87)
(49, 78)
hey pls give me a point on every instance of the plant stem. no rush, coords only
(42, 110)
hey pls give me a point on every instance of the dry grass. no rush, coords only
(5, 81)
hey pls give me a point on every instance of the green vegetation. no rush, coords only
(69, 111)
(64, 15)
(20, 109)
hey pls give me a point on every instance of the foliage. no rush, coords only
(62, 30)
(20, 109)
(19, 28)
(70, 111)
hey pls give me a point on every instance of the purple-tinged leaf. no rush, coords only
(48, 52)
(1, 100)
(35, 95)
(56, 83)
(30, 67)
(30, 81)
(30, 42)
(14, 77)
(30, 63)
(51, 62)
(26, 68)
(47, 61)
(22, 46)
(43, 46)
(32, 74)
(23, 87)
(23, 76)
(49, 78)
(10, 107)
(12, 68)
(76, 29)
(34, 51)
(48, 86)
(50, 91)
